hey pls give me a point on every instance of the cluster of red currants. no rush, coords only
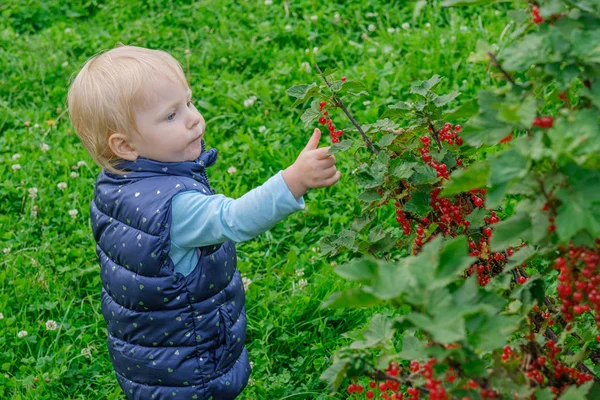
(543, 122)
(437, 391)
(393, 370)
(325, 120)
(579, 280)
(537, 18)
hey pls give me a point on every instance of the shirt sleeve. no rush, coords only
(200, 220)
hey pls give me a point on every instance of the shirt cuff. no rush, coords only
(287, 195)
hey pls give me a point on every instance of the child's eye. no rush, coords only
(189, 103)
(170, 117)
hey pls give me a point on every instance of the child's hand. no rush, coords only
(313, 168)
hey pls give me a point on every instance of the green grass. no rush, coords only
(235, 51)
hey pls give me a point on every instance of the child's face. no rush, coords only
(171, 128)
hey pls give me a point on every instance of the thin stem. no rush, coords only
(434, 135)
(341, 105)
(497, 65)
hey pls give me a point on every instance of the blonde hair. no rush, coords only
(108, 89)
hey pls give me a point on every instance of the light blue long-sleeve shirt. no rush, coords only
(200, 220)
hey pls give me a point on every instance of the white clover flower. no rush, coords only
(249, 102)
(391, 30)
(74, 174)
(251, 382)
(333, 264)
(300, 272)
(313, 249)
(371, 15)
(73, 213)
(44, 147)
(315, 49)
(268, 2)
(16, 167)
(33, 192)
(366, 103)
(464, 28)
(251, 364)
(288, 27)
(1, 316)
(16, 156)
(314, 17)
(246, 282)
(302, 284)
(67, 30)
(427, 25)
(62, 185)
(22, 334)
(306, 67)
(65, 64)
(372, 28)
(86, 352)
(81, 163)
(36, 125)
(6, 250)
(387, 49)
(336, 17)
(262, 128)
(406, 26)
(231, 170)
(452, 39)
(51, 325)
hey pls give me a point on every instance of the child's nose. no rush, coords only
(194, 119)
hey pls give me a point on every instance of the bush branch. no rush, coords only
(338, 103)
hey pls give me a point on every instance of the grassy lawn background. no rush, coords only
(230, 51)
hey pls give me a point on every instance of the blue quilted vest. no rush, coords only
(169, 336)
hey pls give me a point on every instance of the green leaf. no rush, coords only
(577, 392)
(393, 280)
(311, 113)
(425, 87)
(489, 332)
(335, 374)
(424, 174)
(412, 348)
(341, 146)
(357, 270)
(533, 49)
(386, 140)
(369, 195)
(519, 257)
(401, 169)
(419, 203)
(466, 110)
(511, 232)
(381, 331)
(350, 298)
(463, 180)
(441, 101)
(476, 218)
(454, 258)
(487, 120)
(300, 91)
(507, 166)
(445, 329)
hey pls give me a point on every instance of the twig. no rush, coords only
(434, 135)
(497, 65)
(339, 104)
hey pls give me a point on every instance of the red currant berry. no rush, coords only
(343, 79)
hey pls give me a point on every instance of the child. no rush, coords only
(172, 297)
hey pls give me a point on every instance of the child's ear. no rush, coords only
(120, 146)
